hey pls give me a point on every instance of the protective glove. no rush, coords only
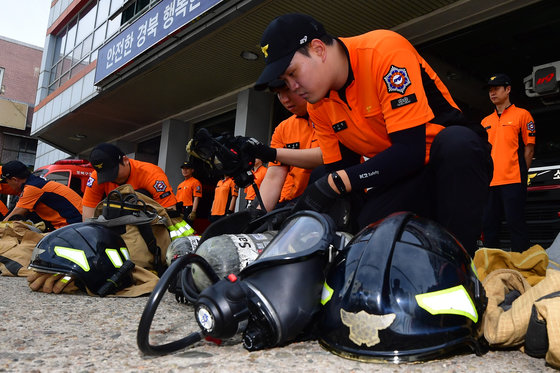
(318, 196)
(257, 149)
(51, 283)
(192, 216)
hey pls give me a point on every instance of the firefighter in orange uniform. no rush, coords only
(5, 189)
(225, 197)
(378, 98)
(511, 131)
(56, 204)
(189, 192)
(114, 168)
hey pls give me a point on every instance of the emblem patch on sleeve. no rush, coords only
(90, 181)
(397, 80)
(531, 126)
(160, 186)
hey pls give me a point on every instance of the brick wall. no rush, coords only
(22, 64)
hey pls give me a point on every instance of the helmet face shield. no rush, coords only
(90, 253)
(403, 290)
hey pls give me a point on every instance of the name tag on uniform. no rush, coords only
(294, 145)
(337, 127)
(400, 102)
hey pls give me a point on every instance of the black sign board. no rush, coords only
(545, 80)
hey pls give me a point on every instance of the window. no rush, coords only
(78, 42)
(1, 79)
(133, 9)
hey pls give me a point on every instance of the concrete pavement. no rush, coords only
(78, 333)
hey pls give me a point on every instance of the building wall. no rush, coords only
(21, 63)
(76, 87)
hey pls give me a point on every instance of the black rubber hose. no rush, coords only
(143, 334)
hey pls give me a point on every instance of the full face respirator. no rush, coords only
(271, 302)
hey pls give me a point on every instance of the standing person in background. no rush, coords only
(259, 171)
(225, 197)
(56, 204)
(189, 192)
(511, 131)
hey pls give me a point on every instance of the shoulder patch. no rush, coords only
(90, 181)
(160, 186)
(531, 126)
(397, 79)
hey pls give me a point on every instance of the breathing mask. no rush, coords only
(272, 301)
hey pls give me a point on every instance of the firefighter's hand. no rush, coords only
(192, 215)
(49, 283)
(318, 196)
(257, 149)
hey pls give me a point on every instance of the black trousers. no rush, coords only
(452, 189)
(509, 199)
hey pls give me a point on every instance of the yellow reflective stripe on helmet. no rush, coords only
(114, 256)
(453, 301)
(327, 294)
(125, 253)
(181, 229)
(74, 255)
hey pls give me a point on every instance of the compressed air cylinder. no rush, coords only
(229, 253)
(181, 246)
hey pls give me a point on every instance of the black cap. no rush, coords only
(105, 158)
(498, 80)
(280, 41)
(14, 169)
(187, 164)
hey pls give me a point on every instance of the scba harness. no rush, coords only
(141, 221)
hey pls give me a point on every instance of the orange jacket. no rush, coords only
(259, 176)
(143, 175)
(53, 202)
(386, 95)
(187, 190)
(294, 133)
(225, 188)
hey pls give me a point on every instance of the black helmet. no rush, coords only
(403, 289)
(94, 255)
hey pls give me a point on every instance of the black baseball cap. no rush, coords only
(105, 158)
(187, 164)
(14, 169)
(281, 40)
(498, 80)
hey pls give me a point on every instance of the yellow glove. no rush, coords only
(49, 283)
(192, 216)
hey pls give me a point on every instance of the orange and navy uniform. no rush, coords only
(259, 177)
(294, 133)
(55, 203)
(508, 133)
(391, 88)
(143, 176)
(5, 189)
(187, 190)
(225, 189)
